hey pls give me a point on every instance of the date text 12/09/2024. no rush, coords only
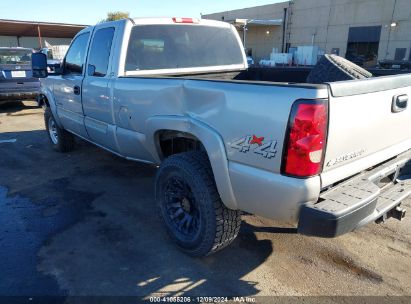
(185, 299)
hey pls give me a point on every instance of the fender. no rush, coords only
(52, 103)
(212, 142)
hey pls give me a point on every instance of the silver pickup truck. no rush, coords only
(177, 93)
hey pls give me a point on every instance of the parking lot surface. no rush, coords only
(85, 223)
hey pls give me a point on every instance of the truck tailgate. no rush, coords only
(369, 123)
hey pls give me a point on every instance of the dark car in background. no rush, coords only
(16, 77)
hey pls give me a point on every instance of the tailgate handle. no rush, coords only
(399, 103)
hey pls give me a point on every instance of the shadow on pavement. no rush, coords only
(96, 230)
(17, 106)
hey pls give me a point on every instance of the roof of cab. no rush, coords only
(161, 20)
(170, 20)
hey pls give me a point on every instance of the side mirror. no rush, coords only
(39, 65)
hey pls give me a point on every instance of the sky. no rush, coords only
(91, 11)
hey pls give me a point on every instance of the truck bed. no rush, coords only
(364, 129)
(276, 74)
(285, 75)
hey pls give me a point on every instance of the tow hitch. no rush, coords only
(397, 213)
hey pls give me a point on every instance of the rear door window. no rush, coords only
(153, 47)
(100, 51)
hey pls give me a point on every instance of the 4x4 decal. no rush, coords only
(256, 144)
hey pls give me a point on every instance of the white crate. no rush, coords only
(282, 58)
(307, 55)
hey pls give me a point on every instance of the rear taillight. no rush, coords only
(185, 20)
(307, 134)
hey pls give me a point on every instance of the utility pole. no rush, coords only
(390, 28)
(245, 35)
(39, 34)
(283, 46)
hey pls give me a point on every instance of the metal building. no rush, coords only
(370, 29)
(36, 35)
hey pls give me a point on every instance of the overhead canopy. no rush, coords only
(241, 22)
(33, 29)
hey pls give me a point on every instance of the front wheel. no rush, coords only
(191, 208)
(61, 140)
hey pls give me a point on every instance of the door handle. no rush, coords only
(76, 90)
(399, 103)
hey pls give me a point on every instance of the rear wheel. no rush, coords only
(61, 140)
(190, 206)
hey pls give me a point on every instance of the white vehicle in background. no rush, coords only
(56, 52)
(55, 55)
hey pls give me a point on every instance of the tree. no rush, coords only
(112, 16)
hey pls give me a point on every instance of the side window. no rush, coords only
(75, 57)
(100, 52)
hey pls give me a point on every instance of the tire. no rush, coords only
(331, 68)
(190, 206)
(61, 140)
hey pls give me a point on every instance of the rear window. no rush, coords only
(154, 47)
(15, 56)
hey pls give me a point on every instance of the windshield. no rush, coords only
(153, 47)
(10, 56)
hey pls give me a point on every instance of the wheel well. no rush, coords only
(174, 142)
(42, 99)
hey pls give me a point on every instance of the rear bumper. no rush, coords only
(371, 196)
(28, 94)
